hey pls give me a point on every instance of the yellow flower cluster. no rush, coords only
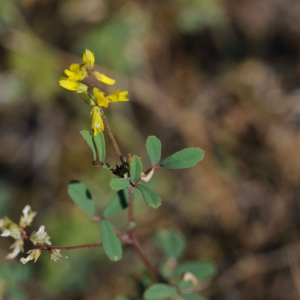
(95, 97)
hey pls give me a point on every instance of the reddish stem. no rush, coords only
(89, 78)
(48, 247)
(131, 204)
(143, 257)
(134, 241)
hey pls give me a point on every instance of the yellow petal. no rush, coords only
(97, 122)
(68, 84)
(76, 72)
(122, 96)
(88, 58)
(100, 98)
(118, 96)
(73, 85)
(101, 77)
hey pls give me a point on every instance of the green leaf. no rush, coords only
(89, 139)
(201, 269)
(119, 183)
(119, 202)
(150, 197)
(153, 146)
(81, 196)
(135, 168)
(171, 242)
(110, 242)
(159, 291)
(193, 297)
(100, 144)
(185, 158)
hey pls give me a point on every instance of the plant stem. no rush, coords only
(48, 247)
(143, 257)
(103, 166)
(111, 135)
(131, 218)
(134, 241)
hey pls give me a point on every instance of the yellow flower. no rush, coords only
(33, 255)
(97, 122)
(88, 58)
(103, 78)
(118, 96)
(101, 100)
(73, 85)
(76, 72)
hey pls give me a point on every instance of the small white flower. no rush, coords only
(9, 228)
(17, 248)
(40, 237)
(33, 255)
(28, 216)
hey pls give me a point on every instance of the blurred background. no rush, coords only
(219, 75)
